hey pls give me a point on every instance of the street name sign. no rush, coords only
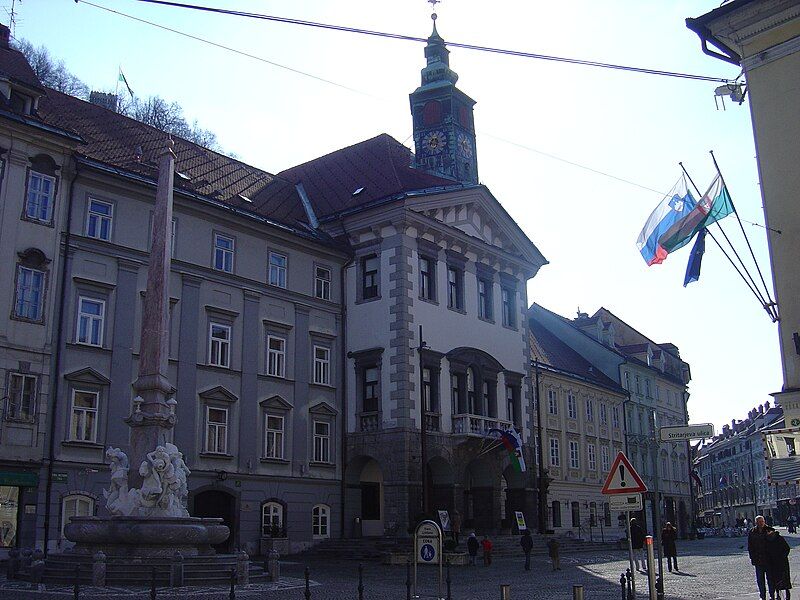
(623, 478)
(681, 433)
(625, 502)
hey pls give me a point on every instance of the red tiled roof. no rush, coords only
(381, 166)
(14, 65)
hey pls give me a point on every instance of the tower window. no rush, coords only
(432, 113)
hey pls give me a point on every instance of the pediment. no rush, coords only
(276, 402)
(219, 393)
(323, 408)
(88, 375)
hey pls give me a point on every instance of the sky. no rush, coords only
(631, 126)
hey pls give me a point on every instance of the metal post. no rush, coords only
(651, 568)
(423, 429)
(631, 570)
(308, 585)
(232, 594)
(541, 487)
(448, 580)
(408, 580)
(505, 591)
(631, 592)
(152, 583)
(656, 498)
(577, 592)
(76, 590)
(622, 582)
(360, 581)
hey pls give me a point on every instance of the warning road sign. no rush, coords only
(623, 478)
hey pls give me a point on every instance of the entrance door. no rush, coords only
(219, 504)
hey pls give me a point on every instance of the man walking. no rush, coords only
(472, 548)
(637, 543)
(527, 545)
(552, 550)
(757, 548)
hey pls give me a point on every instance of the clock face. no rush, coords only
(434, 142)
(464, 146)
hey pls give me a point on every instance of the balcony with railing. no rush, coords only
(478, 425)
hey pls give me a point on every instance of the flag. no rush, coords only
(513, 443)
(713, 206)
(676, 205)
(122, 79)
(696, 477)
(695, 258)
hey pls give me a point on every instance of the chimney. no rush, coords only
(766, 405)
(5, 36)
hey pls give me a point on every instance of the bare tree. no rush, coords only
(52, 74)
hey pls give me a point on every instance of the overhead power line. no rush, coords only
(396, 36)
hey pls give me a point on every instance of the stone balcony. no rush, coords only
(478, 425)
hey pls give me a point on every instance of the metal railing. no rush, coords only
(478, 425)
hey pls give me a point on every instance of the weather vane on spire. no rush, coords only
(433, 4)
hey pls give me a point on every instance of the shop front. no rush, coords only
(17, 509)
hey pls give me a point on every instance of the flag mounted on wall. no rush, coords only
(675, 206)
(513, 443)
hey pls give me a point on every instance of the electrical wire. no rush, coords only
(396, 36)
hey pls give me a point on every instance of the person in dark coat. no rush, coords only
(637, 543)
(757, 549)
(778, 574)
(472, 548)
(552, 551)
(668, 536)
(527, 545)
(455, 525)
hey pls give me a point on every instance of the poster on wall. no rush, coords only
(444, 520)
(520, 520)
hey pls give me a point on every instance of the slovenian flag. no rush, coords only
(513, 443)
(675, 206)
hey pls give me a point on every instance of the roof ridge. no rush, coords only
(333, 152)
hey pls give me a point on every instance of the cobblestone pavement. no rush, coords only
(711, 569)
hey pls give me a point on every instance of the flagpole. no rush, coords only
(772, 304)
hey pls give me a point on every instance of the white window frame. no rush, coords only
(270, 512)
(591, 457)
(278, 272)
(79, 416)
(33, 210)
(320, 521)
(555, 453)
(322, 443)
(322, 365)
(603, 413)
(79, 500)
(14, 404)
(95, 324)
(219, 349)
(615, 416)
(97, 220)
(218, 427)
(605, 458)
(590, 410)
(572, 406)
(574, 455)
(552, 402)
(322, 285)
(508, 299)
(224, 256)
(22, 295)
(276, 359)
(274, 435)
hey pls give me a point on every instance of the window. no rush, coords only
(455, 391)
(591, 457)
(219, 345)
(426, 279)
(589, 410)
(603, 414)
(574, 457)
(455, 281)
(272, 519)
(369, 385)
(224, 248)
(572, 406)
(472, 401)
(556, 513)
(83, 421)
(369, 277)
(21, 397)
(322, 442)
(604, 459)
(552, 402)
(658, 392)
(41, 196)
(606, 514)
(512, 407)
(98, 220)
(322, 283)
(509, 297)
(638, 384)
(615, 416)
(627, 381)
(276, 356)
(29, 294)
(273, 439)
(76, 505)
(322, 365)
(91, 314)
(485, 299)
(430, 390)
(320, 519)
(216, 430)
(647, 388)
(575, 508)
(664, 470)
(555, 454)
(277, 269)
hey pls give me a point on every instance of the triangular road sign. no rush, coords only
(623, 478)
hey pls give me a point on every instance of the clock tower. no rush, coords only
(444, 130)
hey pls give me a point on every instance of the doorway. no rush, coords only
(219, 504)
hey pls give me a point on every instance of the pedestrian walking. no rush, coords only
(527, 545)
(486, 544)
(668, 536)
(778, 574)
(637, 543)
(757, 548)
(455, 526)
(552, 551)
(472, 548)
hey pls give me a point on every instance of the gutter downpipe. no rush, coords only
(539, 443)
(57, 361)
(705, 34)
(343, 352)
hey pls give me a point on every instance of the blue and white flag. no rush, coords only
(676, 205)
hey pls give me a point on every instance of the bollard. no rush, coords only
(308, 585)
(99, 569)
(408, 580)
(273, 566)
(622, 582)
(631, 591)
(651, 567)
(360, 581)
(152, 583)
(449, 597)
(76, 591)
(12, 565)
(242, 568)
(232, 594)
(176, 570)
(577, 592)
(505, 591)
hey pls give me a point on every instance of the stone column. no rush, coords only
(152, 419)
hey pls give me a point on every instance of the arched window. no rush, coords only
(272, 519)
(76, 505)
(320, 520)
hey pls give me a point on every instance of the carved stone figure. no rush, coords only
(117, 494)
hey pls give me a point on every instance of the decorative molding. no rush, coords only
(276, 402)
(323, 408)
(219, 394)
(88, 375)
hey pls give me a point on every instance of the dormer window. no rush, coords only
(21, 103)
